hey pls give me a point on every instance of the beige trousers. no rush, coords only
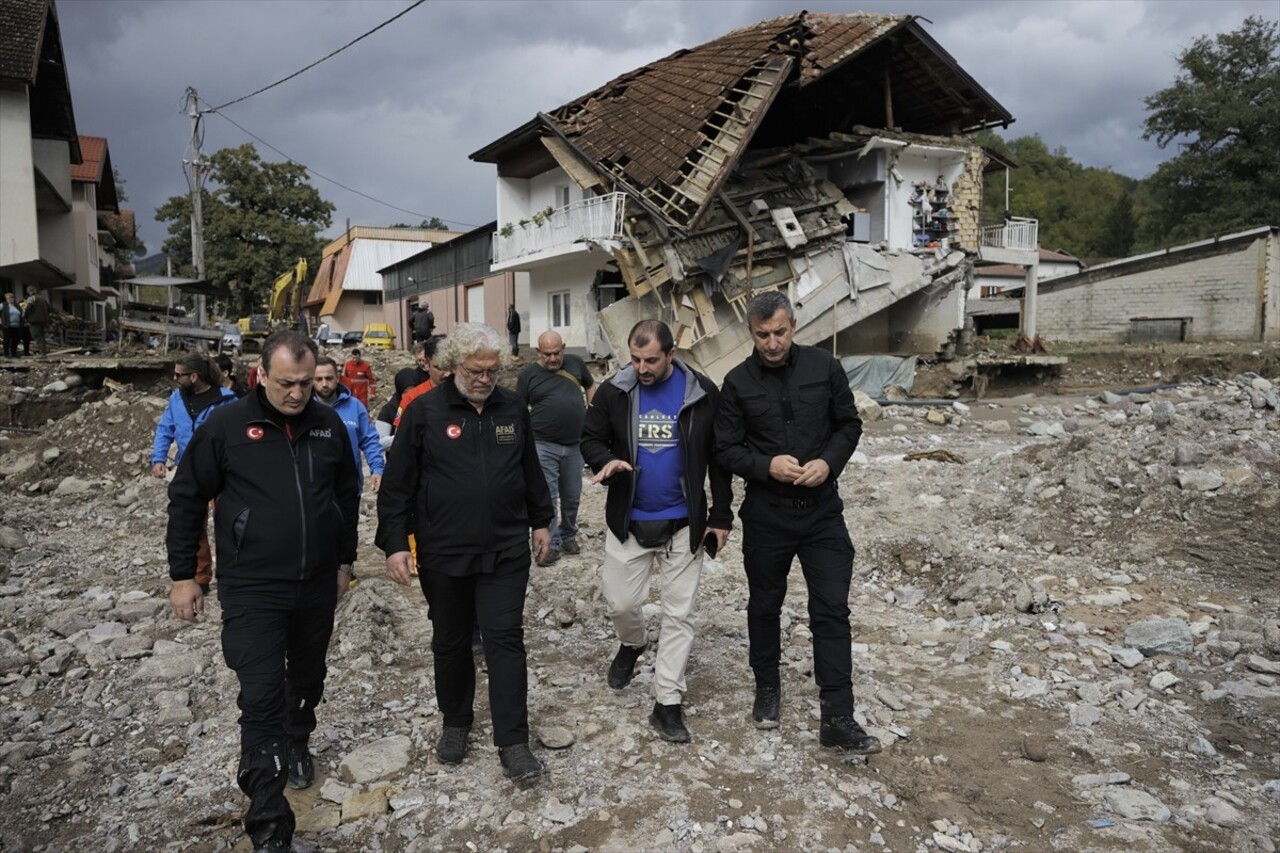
(625, 584)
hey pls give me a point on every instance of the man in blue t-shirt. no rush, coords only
(648, 437)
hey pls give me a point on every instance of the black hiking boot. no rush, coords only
(302, 771)
(452, 746)
(669, 721)
(765, 709)
(520, 765)
(845, 733)
(623, 666)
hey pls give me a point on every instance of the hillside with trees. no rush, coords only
(1221, 117)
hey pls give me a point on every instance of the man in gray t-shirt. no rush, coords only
(557, 388)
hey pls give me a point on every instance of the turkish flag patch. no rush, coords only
(254, 433)
(453, 431)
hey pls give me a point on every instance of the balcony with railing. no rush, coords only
(1015, 240)
(542, 238)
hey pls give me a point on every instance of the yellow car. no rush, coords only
(379, 336)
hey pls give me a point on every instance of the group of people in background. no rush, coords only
(481, 482)
(25, 322)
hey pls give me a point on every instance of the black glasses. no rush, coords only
(491, 373)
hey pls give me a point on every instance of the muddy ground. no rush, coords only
(996, 592)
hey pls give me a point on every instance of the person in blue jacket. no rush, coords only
(199, 392)
(363, 434)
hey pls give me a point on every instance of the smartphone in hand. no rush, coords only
(709, 544)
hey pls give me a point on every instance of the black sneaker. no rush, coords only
(302, 772)
(669, 721)
(845, 733)
(452, 747)
(550, 559)
(520, 765)
(623, 666)
(765, 709)
(274, 845)
(571, 546)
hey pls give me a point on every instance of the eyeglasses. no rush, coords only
(491, 373)
(180, 375)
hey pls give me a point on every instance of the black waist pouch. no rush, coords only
(655, 533)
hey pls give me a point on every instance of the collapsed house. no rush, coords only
(820, 154)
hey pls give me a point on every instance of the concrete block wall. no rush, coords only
(1220, 294)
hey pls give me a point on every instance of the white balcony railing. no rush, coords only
(1017, 233)
(597, 218)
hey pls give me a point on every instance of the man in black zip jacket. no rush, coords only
(463, 477)
(787, 424)
(281, 468)
(648, 435)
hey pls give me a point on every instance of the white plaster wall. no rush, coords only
(19, 236)
(915, 166)
(574, 273)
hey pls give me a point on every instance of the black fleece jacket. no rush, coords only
(286, 492)
(610, 433)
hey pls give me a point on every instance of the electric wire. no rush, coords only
(401, 14)
(312, 171)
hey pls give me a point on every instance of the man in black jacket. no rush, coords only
(648, 434)
(787, 424)
(463, 477)
(281, 468)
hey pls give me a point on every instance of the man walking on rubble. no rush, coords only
(363, 435)
(282, 469)
(648, 436)
(463, 476)
(557, 388)
(199, 392)
(787, 425)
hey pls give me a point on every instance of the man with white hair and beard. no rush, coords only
(464, 478)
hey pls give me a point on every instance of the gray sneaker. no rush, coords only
(570, 546)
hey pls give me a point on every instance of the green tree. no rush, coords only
(259, 218)
(434, 223)
(1119, 229)
(1223, 115)
(127, 246)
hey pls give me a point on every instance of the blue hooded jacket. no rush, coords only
(177, 427)
(363, 434)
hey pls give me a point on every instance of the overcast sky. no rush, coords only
(396, 115)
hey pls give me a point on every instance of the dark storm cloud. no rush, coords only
(396, 115)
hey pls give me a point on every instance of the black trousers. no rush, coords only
(275, 635)
(774, 531)
(12, 337)
(494, 600)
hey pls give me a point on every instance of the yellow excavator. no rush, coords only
(282, 309)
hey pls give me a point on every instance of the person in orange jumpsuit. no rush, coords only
(357, 375)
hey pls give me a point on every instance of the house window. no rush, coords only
(562, 195)
(560, 308)
(372, 297)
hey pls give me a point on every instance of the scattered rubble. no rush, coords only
(1061, 645)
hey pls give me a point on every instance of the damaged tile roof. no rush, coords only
(94, 151)
(671, 132)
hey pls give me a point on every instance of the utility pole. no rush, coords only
(196, 183)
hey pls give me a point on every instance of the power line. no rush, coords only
(416, 4)
(312, 171)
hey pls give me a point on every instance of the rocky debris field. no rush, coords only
(1066, 632)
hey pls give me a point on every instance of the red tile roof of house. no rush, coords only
(94, 151)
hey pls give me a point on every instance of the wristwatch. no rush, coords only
(349, 569)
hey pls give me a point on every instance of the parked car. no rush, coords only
(352, 339)
(334, 339)
(379, 336)
(232, 340)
